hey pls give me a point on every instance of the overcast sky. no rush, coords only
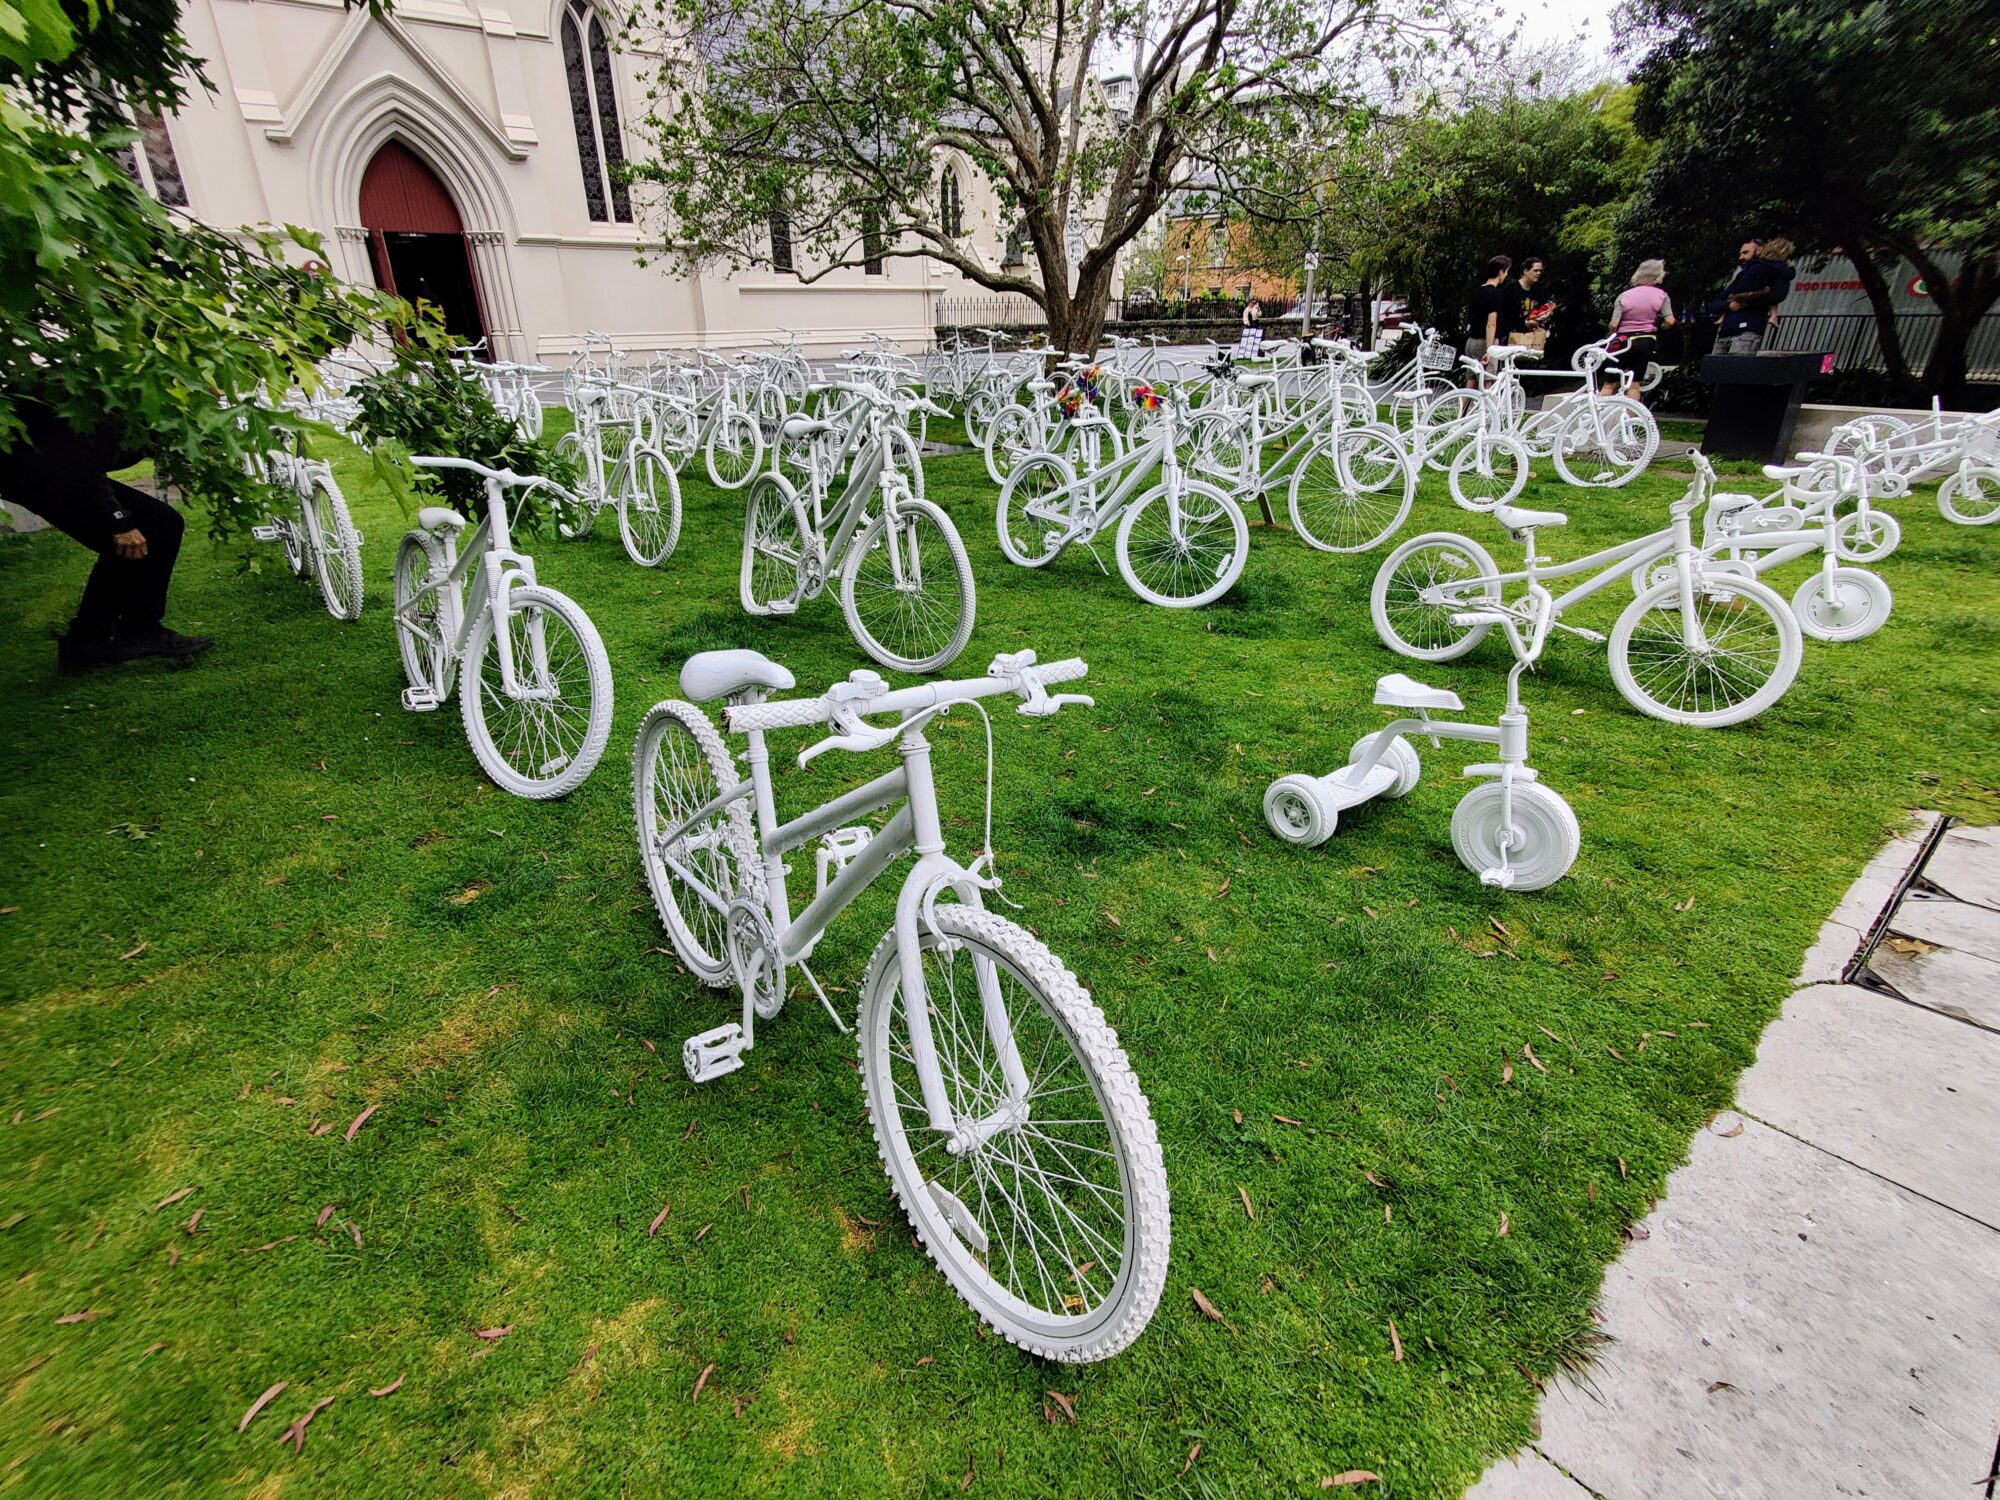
(1587, 23)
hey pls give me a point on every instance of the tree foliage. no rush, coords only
(836, 116)
(116, 313)
(1871, 129)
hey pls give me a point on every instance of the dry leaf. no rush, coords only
(1249, 1212)
(926, 1362)
(686, 1134)
(701, 1380)
(1225, 887)
(966, 1483)
(1374, 1181)
(135, 952)
(1287, 1120)
(1687, 905)
(1506, 1068)
(702, 1231)
(493, 1335)
(387, 1390)
(359, 1120)
(1113, 920)
(1503, 1224)
(86, 1316)
(354, 1233)
(260, 1403)
(1207, 1307)
(1370, 911)
(1067, 1403)
(173, 1256)
(1498, 926)
(1615, 1053)
(324, 1214)
(1551, 1035)
(1193, 1454)
(1528, 1051)
(1590, 1191)
(1914, 947)
(1719, 1385)
(268, 1245)
(1236, 1115)
(246, 1090)
(1395, 1341)
(1212, 958)
(296, 1433)
(172, 1198)
(658, 1219)
(1356, 1476)
(648, 1046)
(194, 1219)
(1621, 1169)
(1732, 1132)
(1637, 1232)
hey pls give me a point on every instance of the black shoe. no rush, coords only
(159, 641)
(80, 652)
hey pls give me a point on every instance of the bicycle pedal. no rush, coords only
(1597, 637)
(268, 533)
(419, 700)
(1502, 878)
(782, 607)
(712, 1054)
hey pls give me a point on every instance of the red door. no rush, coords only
(416, 240)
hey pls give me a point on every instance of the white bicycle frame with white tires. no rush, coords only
(317, 533)
(1702, 646)
(1004, 1109)
(478, 606)
(638, 481)
(1189, 554)
(906, 586)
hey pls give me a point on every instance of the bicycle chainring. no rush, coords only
(753, 957)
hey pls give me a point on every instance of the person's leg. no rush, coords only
(142, 604)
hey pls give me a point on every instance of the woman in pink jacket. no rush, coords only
(1637, 317)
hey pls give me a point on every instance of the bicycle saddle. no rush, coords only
(804, 427)
(1515, 518)
(709, 675)
(1397, 691)
(436, 517)
(1782, 472)
(1249, 380)
(1725, 501)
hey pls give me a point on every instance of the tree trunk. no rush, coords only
(1961, 305)
(1886, 332)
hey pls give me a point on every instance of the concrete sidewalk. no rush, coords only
(1814, 1309)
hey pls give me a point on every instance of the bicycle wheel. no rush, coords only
(907, 458)
(1412, 626)
(1867, 536)
(1852, 604)
(913, 613)
(1489, 471)
(1606, 445)
(1036, 515)
(679, 764)
(735, 449)
(1014, 434)
(573, 520)
(773, 576)
(1541, 840)
(1353, 490)
(1190, 565)
(1443, 423)
(1750, 653)
(545, 743)
(1217, 443)
(1970, 496)
(528, 414)
(649, 509)
(979, 414)
(336, 546)
(423, 623)
(1054, 1228)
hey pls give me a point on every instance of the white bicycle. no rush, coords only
(317, 532)
(536, 690)
(1013, 1131)
(1703, 645)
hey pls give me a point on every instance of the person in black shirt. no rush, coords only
(59, 474)
(1487, 307)
(1517, 314)
(1750, 305)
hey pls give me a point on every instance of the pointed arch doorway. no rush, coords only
(416, 240)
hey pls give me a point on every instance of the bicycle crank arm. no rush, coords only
(1596, 636)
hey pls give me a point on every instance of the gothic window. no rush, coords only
(153, 166)
(951, 205)
(781, 241)
(1016, 253)
(593, 107)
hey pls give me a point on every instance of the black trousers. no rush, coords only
(124, 595)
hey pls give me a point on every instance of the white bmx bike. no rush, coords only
(536, 689)
(1006, 1114)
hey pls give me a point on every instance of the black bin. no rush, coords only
(1756, 403)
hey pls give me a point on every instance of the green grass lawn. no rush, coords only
(250, 900)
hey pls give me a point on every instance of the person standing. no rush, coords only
(1486, 308)
(60, 474)
(1641, 311)
(1750, 303)
(1522, 321)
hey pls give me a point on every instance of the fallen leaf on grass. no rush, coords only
(701, 1380)
(1719, 1385)
(296, 1433)
(1193, 1454)
(1236, 1115)
(173, 1256)
(1621, 1169)
(1615, 1053)
(1503, 1224)
(319, 1128)
(1687, 905)
(1287, 1120)
(1528, 1051)
(260, 1403)
(354, 1127)
(1551, 1035)
(387, 1390)
(689, 1132)
(1371, 911)
(1506, 1068)
(1225, 887)
(86, 1316)
(966, 1483)
(658, 1219)
(354, 1233)
(701, 1232)
(270, 1245)
(194, 1219)
(172, 1198)
(135, 952)
(926, 1362)
(1356, 1476)
(1395, 1341)
(1374, 1181)
(1207, 1307)
(1249, 1211)
(493, 1335)
(1112, 918)
(1498, 926)
(245, 1094)
(1067, 1403)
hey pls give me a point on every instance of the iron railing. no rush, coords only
(1855, 344)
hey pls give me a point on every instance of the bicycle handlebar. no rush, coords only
(865, 696)
(506, 478)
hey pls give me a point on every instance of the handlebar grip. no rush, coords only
(1063, 671)
(792, 713)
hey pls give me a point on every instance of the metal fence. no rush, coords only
(1018, 312)
(1855, 344)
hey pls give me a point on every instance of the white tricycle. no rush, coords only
(1510, 830)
